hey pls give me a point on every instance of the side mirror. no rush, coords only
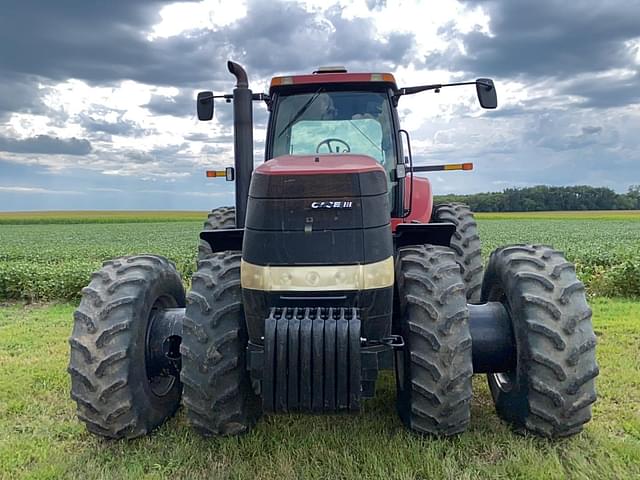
(486, 93)
(205, 106)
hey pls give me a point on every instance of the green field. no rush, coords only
(103, 216)
(49, 256)
(41, 438)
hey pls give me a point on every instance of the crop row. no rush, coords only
(44, 262)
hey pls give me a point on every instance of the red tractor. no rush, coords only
(333, 265)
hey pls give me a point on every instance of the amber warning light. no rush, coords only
(447, 166)
(228, 173)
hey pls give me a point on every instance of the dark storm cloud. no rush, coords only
(120, 127)
(606, 92)
(104, 43)
(546, 38)
(100, 42)
(285, 37)
(46, 144)
(589, 130)
(20, 93)
(181, 105)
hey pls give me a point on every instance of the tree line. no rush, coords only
(546, 198)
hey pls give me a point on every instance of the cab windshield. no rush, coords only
(336, 122)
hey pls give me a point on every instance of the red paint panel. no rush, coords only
(325, 164)
(422, 201)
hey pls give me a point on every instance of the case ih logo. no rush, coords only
(331, 204)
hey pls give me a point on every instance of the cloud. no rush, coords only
(589, 130)
(100, 42)
(376, 4)
(19, 93)
(37, 190)
(46, 144)
(548, 37)
(120, 127)
(286, 37)
(181, 105)
(568, 78)
(605, 91)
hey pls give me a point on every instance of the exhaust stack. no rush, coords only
(243, 139)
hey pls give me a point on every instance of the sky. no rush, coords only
(97, 106)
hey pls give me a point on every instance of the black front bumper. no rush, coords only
(315, 360)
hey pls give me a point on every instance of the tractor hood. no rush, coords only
(318, 209)
(319, 176)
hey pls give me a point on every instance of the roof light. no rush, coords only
(277, 81)
(331, 69)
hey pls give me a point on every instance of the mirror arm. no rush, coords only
(204, 98)
(228, 97)
(436, 87)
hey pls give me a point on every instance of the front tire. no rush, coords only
(553, 386)
(218, 397)
(111, 383)
(434, 375)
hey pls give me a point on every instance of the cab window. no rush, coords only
(335, 122)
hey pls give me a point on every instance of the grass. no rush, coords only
(40, 437)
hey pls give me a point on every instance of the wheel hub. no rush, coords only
(162, 358)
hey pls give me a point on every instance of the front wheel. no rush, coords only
(551, 390)
(434, 371)
(218, 396)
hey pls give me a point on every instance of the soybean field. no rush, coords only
(47, 256)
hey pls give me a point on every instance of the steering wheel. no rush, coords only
(328, 142)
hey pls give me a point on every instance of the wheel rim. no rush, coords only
(504, 381)
(162, 350)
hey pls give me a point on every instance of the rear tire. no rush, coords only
(218, 397)
(551, 391)
(434, 375)
(218, 219)
(465, 242)
(108, 361)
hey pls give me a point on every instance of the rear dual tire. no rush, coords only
(465, 243)
(551, 391)
(115, 394)
(220, 218)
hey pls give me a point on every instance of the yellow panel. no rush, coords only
(317, 278)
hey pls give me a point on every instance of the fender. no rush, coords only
(421, 205)
(421, 233)
(224, 239)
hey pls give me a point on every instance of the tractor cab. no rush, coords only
(333, 112)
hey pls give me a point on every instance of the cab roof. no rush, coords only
(325, 75)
